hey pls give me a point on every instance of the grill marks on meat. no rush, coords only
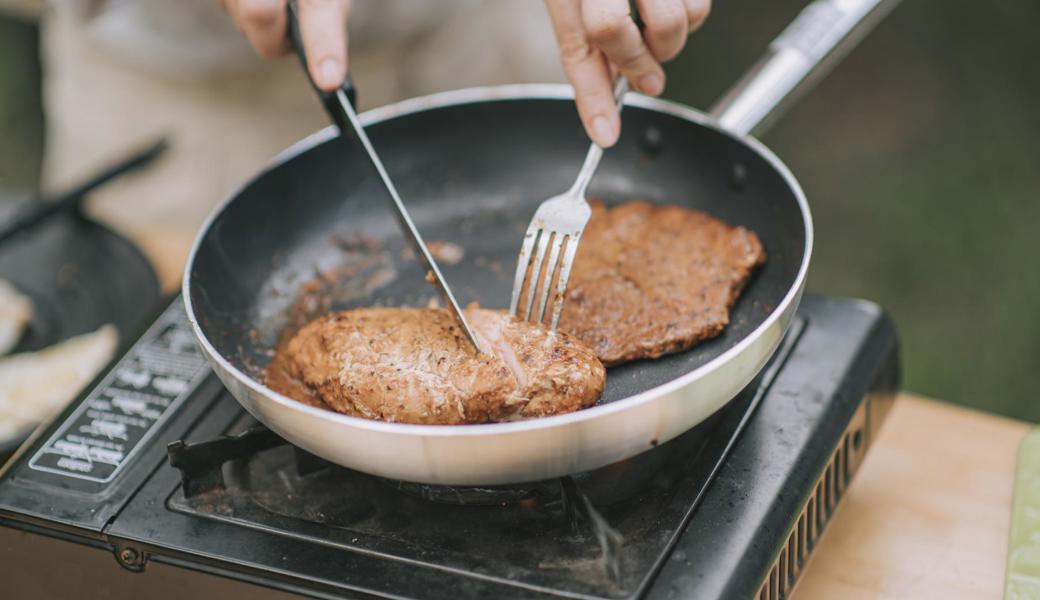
(652, 280)
(413, 365)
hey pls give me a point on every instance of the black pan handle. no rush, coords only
(45, 208)
(328, 99)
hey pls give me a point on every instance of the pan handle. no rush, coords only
(803, 53)
(328, 99)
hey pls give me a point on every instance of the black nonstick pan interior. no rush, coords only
(473, 174)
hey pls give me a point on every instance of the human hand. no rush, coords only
(598, 38)
(323, 27)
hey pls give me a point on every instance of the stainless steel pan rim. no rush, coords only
(518, 92)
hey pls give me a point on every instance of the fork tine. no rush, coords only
(565, 274)
(567, 212)
(536, 270)
(554, 255)
(522, 266)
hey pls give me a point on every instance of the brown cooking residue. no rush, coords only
(365, 266)
(354, 242)
(447, 252)
(494, 266)
(380, 278)
(441, 251)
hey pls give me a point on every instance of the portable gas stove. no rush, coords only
(157, 483)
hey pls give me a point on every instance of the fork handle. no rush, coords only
(595, 153)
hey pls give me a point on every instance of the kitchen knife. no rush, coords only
(338, 105)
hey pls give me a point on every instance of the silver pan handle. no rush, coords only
(816, 40)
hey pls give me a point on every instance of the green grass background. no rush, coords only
(920, 155)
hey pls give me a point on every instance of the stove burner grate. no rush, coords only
(596, 533)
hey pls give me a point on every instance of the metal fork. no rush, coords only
(557, 227)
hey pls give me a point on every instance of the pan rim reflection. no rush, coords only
(506, 93)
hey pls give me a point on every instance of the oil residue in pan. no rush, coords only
(344, 269)
(347, 271)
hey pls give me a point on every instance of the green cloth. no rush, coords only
(1023, 570)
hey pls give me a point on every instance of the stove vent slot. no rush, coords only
(806, 531)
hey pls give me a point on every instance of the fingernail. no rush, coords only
(602, 131)
(329, 73)
(652, 84)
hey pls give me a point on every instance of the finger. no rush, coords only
(612, 30)
(665, 27)
(696, 12)
(323, 27)
(588, 72)
(262, 22)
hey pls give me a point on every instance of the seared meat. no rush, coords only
(651, 280)
(413, 365)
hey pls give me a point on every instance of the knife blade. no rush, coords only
(342, 112)
(405, 220)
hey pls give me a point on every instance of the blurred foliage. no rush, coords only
(919, 155)
(21, 113)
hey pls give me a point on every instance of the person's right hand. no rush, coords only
(323, 27)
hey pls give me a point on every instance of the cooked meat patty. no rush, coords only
(651, 280)
(414, 365)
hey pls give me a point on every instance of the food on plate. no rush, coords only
(414, 365)
(16, 311)
(652, 280)
(33, 385)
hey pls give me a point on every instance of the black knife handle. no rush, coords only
(328, 99)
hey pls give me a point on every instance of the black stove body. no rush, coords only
(156, 483)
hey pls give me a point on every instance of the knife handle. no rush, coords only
(328, 99)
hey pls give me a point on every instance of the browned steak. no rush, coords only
(413, 365)
(651, 280)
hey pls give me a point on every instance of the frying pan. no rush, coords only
(472, 166)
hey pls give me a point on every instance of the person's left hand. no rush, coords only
(599, 37)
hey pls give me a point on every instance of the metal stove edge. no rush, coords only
(761, 568)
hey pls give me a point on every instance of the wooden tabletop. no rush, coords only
(927, 514)
(925, 517)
